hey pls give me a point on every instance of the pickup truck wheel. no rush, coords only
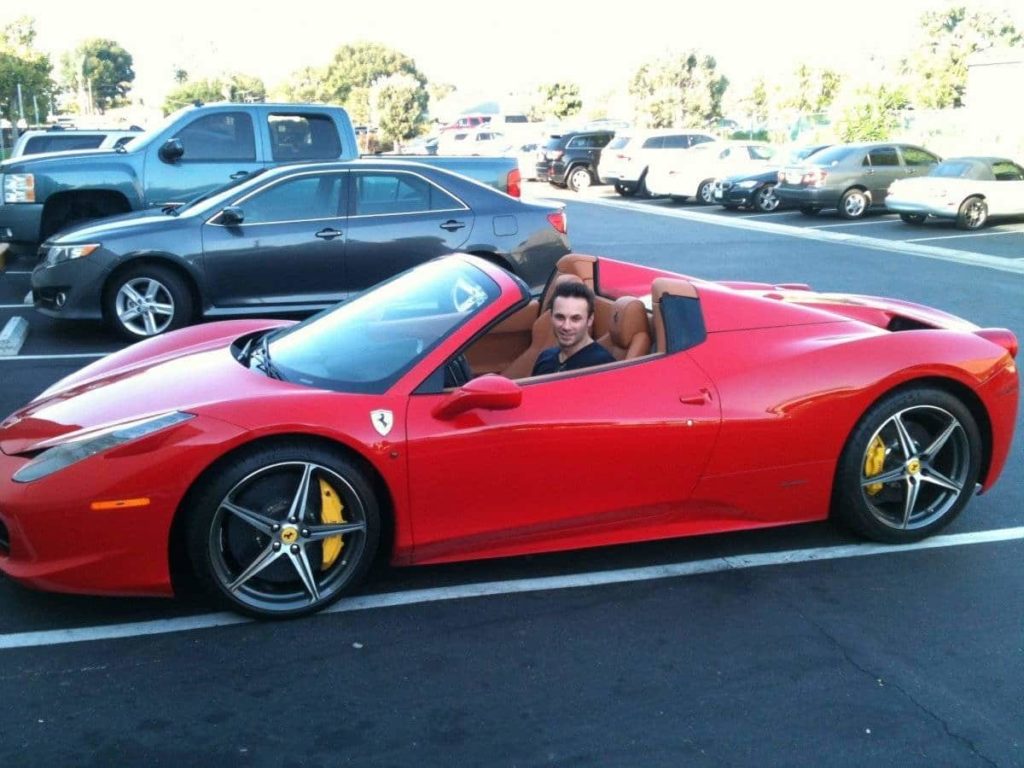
(146, 301)
(579, 178)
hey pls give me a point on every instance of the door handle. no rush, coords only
(703, 397)
(451, 225)
(329, 234)
(238, 175)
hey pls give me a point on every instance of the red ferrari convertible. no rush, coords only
(275, 460)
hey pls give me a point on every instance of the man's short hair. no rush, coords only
(574, 290)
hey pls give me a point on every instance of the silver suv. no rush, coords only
(62, 140)
(625, 160)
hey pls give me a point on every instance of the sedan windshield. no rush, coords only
(367, 343)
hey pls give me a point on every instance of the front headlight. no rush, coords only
(75, 449)
(56, 254)
(747, 184)
(19, 188)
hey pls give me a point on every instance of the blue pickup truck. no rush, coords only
(195, 150)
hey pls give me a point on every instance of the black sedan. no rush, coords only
(756, 189)
(288, 240)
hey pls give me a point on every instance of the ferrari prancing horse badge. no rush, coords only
(382, 421)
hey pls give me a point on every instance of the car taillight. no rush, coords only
(815, 177)
(625, 158)
(559, 222)
(513, 182)
(554, 154)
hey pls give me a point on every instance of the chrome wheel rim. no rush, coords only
(269, 547)
(923, 471)
(580, 180)
(766, 199)
(144, 306)
(854, 205)
(707, 194)
(975, 214)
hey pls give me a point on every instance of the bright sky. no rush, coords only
(491, 48)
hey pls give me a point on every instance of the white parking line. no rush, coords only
(519, 586)
(858, 223)
(972, 234)
(16, 306)
(970, 258)
(69, 356)
(17, 272)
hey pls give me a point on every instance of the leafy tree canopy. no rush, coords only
(103, 67)
(21, 65)
(398, 105)
(236, 87)
(679, 91)
(558, 101)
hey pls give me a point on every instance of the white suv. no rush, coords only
(625, 160)
(36, 142)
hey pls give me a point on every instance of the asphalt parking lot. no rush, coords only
(784, 647)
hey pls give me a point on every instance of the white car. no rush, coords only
(624, 162)
(693, 173)
(36, 142)
(479, 142)
(967, 189)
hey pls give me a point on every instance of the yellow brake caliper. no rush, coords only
(873, 463)
(330, 514)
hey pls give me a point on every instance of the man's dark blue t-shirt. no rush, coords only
(592, 354)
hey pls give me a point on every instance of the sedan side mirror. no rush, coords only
(490, 392)
(172, 150)
(232, 216)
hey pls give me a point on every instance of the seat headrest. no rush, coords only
(629, 318)
(672, 286)
(578, 264)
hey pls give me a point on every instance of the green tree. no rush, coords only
(873, 114)
(21, 64)
(683, 91)
(814, 90)
(440, 91)
(236, 87)
(397, 106)
(937, 67)
(103, 68)
(356, 67)
(558, 101)
(307, 85)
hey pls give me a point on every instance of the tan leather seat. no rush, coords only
(579, 264)
(660, 288)
(629, 333)
(542, 336)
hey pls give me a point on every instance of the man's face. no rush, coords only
(571, 320)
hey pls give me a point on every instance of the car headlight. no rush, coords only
(747, 184)
(56, 254)
(75, 449)
(19, 188)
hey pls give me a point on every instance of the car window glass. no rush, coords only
(1007, 171)
(60, 143)
(676, 142)
(917, 156)
(700, 139)
(882, 157)
(619, 142)
(579, 142)
(389, 193)
(761, 153)
(655, 142)
(311, 196)
(303, 137)
(601, 140)
(226, 136)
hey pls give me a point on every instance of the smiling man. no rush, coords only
(572, 318)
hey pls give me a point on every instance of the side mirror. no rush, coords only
(232, 216)
(490, 392)
(172, 150)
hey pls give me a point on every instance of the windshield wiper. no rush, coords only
(263, 362)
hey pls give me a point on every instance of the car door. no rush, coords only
(398, 219)
(220, 147)
(1005, 195)
(581, 455)
(917, 161)
(289, 249)
(883, 169)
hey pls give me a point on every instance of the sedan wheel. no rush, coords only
(913, 218)
(146, 301)
(580, 179)
(706, 192)
(853, 204)
(283, 531)
(909, 467)
(972, 214)
(765, 199)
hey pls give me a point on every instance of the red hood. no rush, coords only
(183, 371)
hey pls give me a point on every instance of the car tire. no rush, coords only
(256, 542)
(853, 204)
(147, 300)
(914, 218)
(973, 213)
(909, 466)
(706, 192)
(641, 185)
(765, 200)
(579, 178)
(809, 210)
(731, 207)
(625, 190)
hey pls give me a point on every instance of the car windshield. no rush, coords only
(367, 343)
(143, 140)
